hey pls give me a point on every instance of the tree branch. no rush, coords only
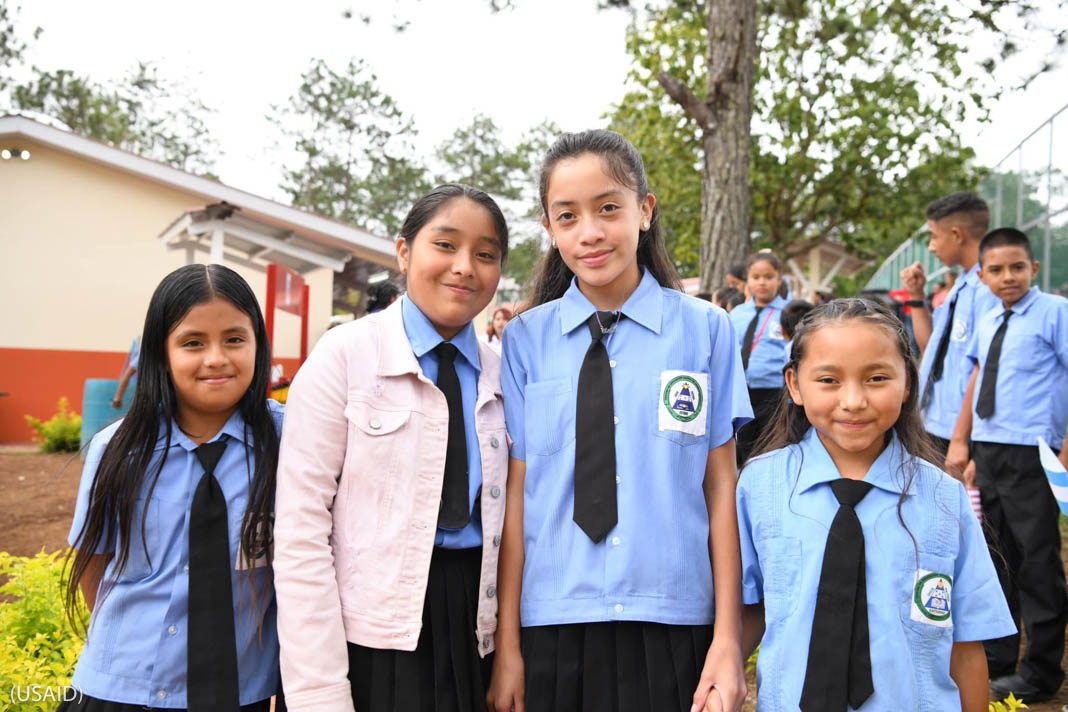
(685, 98)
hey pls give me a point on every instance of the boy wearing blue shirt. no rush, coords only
(957, 223)
(1018, 391)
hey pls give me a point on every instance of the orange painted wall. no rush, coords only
(35, 379)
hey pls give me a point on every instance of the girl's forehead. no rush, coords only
(588, 173)
(850, 341)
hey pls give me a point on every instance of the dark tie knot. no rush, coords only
(210, 453)
(1007, 314)
(446, 352)
(850, 492)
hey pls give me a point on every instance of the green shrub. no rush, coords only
(38, 646)
(62, 433)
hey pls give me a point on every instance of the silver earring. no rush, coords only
(554, 244)
(645, 226)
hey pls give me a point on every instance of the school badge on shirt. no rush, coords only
(682, 401)
(932, 599)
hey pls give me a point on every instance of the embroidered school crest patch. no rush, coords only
(960, 330)
(682, 401)
(932, 599)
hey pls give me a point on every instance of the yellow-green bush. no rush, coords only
(61, 433)
(38, 647)
(1009, 704)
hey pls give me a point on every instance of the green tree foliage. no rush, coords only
(476, 155)
(11, 44)
(855, 109)
(354, 144)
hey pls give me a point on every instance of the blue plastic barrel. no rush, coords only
(97, 412)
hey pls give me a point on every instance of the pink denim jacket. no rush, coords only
(359, 486)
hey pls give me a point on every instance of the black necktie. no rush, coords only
(595, 436)
(211, 647)
(940, 355)
(839, 659)
(455, 511)
(747, 342)
(984, 408)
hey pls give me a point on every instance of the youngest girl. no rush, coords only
(871, 580)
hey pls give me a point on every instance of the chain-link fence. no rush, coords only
(1027, 189)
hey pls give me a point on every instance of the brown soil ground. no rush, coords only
(37, 494)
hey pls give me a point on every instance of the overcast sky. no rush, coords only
(547, 59)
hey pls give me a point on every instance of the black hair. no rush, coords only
(792, 313)
(624, 164)
(380, 295)
(1006, 237)
(125, 464)
(738, 270)
(733, 299)
(706, 296)
(428, 206)
(967, 204)
(824, 295)
(764, 256)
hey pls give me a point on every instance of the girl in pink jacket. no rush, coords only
(391, 484)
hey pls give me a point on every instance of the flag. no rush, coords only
(1058, 477)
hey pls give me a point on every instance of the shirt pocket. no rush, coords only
(695, 396)
(1025, 353)
(376, 441)
(549, 416)
(927, 593)
(141, 561)
(780, 565)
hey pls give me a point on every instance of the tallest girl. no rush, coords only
(622, 397)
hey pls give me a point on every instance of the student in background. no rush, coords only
(763, 346)
(957, 223)
(501, 316)
(129, 373)
(1018, 391)
(172, 527)
(736, 276)
(381, 295)
(869, 581)
(793, 313)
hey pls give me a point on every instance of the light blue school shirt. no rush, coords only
(136, 648)
(785, 510)
(1031, 398)
(654, 564)
(772, 351)
(424, 337)
(947, 394)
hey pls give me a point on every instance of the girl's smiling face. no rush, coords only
(594, 221)
(851, 382)
(211, 354)
(453, 264)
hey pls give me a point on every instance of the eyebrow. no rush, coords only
(232, 330)
(614, 193)
(449, 230)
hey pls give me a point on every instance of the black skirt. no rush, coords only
(84, 703)
(620, 666)
(764, 402)
(444, 673)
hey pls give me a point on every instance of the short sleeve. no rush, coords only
(1057, 330)
(979, 609)
(752, 578)
(513, 388)
(135, 353)
(81, 506)
(730, 408)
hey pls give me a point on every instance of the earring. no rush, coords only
(645, 226)
(554, 244)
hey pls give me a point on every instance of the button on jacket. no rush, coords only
(359, 486)
(772, 351)
(136, 649)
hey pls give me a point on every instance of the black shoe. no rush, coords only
(1024, 691)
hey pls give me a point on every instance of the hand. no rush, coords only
(116, 403)
(722, 686)
(956, 458)
(914, 280)
(968, 476)
(506, 690)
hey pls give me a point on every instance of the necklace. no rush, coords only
(611, 328)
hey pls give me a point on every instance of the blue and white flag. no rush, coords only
(1058, 477)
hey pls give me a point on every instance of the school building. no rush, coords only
(89, 230)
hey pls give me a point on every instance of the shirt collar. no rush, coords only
(234, 427)
(1024, 304)
(887, 472)
(424, 337)
(645, 305)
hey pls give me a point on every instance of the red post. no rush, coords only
(304, 325)
(272, 279)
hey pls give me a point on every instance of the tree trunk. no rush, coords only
(723, 117)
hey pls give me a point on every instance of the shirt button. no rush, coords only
(618, 480)
(491, 591)
(612, 364)
(375, 423)
(495, 492)
(615, 420)
(172, 630)
(161, 694)
(186, 568)
(615, 541)
(494, 442)
(497, 540)
(619, 608)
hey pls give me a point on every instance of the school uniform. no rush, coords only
(136, 651)
(769, 353)
(941, 396)
(625, 620)
(380, 607)
(1030, 399)
(928, 586)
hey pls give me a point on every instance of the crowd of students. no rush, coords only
(561, 525)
